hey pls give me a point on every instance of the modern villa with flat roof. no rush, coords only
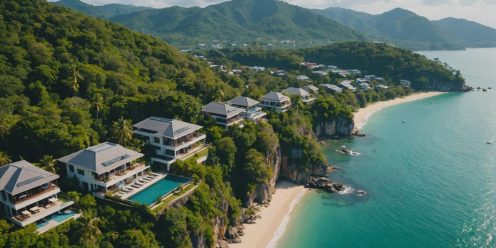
(305, 96)
(171, 139)
(29, 194)
(276, 101)
(252, 109)
(224, 114)
(104, 168)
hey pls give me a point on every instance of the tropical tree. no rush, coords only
(47, 162)
(88, 231)
(4, 158)
(98, 104)
(122, 131)
(75, 77)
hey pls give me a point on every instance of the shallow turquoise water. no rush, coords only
(431, 181)
(161, 188)
(59, 217)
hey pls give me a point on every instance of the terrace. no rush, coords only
(184, 141)
(30, 216)
(118, 175)
(35, 194)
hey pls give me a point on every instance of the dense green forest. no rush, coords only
(68, 81)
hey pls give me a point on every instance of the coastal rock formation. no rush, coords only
(339, 127)
(325, 184)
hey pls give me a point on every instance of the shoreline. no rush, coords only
(272, 225)
(267, 230)
(363, 114)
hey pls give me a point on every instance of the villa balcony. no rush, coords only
(181, 145)
(27, 217)
(28, 199)
(124, 174)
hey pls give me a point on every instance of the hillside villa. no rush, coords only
(106, 169)
(311, 89)
(171, 139)
(347, 85)
(301, 93)
(332, 88)
(276, 101)
(405, 83)
(30, 195)
(252, 110)
(224, 114)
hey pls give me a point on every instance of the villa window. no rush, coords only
(80, 172)
(71, 168)
(156, 140)
(4, 197)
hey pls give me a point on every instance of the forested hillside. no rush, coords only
(68, 81)
(238, 21)
(379, 59)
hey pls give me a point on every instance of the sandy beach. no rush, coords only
(275, 217)
(363, 114)
(267, 231)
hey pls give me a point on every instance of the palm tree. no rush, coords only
(97, 104)
(122, 131)
(89, 231)
(48, 163)
(75, 77)
(4, 159)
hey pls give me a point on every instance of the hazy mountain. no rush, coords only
(237, 20)
(399, 26)
(105, 11)
(472, 34)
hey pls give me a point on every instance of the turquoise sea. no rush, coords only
(431, 181)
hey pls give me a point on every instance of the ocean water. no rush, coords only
(430, 181)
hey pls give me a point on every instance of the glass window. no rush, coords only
(80, 172)
(71, 168)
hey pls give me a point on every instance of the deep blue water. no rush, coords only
(431, 181)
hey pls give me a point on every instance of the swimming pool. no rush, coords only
(159, 189)
(58, 217)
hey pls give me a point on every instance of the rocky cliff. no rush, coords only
(332, 128)
(263, 191)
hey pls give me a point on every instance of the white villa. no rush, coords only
(172, 139)
(301, 93)
(29, 194)
(311, 89)
(347, 85)
(332, 88)
(252, 109)
(276, 101)
(405, 83)
(105, 168)
(224, 114)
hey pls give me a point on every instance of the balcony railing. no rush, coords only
(23, 198)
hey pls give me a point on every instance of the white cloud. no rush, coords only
(483, 11)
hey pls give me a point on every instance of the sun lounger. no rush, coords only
(155, 174)
(135, 186)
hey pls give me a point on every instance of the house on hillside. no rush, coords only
(332, 88)
(347, 85)
(303, 78)
(30, 195)
(276, 101)
(405, 83)
(252, 109)
(304, 95)
(224, 114)
(321, 73)
(311, 89)
(105, 168)
(171, 139)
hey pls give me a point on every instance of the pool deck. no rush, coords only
(53, 223)
(125, 196)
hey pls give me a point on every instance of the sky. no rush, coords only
(482, 11)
